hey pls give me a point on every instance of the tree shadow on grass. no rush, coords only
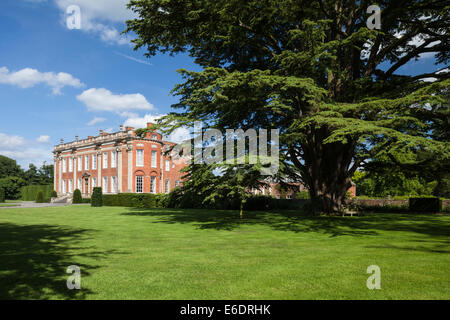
(294, 221)
(34, 260)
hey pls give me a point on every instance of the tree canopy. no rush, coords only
(313, 70)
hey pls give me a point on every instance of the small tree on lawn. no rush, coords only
(97, 199)
(40, 197)
(77, 196)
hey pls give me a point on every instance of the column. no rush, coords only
(55, 179)
(75, 168)
(99, 168)
(130, 168)
(60, 175)
(119, 170)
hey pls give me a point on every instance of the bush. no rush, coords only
(40, 197)
(53, 194)
(97, 197)
(2, 195)
(77, 198)
(425, 205)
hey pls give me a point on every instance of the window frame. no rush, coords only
(139, 184)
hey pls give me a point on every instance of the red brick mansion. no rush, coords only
(122, 162)
(118, 162)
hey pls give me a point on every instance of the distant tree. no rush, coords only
(9, 168)
(46, 173)
(233, 183)
(77, 196)
(12, 186)
(39, 176)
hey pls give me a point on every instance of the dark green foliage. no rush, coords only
(40, 197)
(425, 205)
(136, 200)
(12, 187)
(38, 176)
(304, 67)
(29, 193)
(77, 198)
(9, 168)
(97, 197)
(54, 194)
(2, 195)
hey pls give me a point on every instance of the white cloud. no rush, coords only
(99, 17)
(178, 136)
(7, 142)
(141, 122)
(95, 121)
(28, 77)
(24, 151)
(101, 99)
(43, 139)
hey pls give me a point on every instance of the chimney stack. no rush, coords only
(76, 138)
(101, 131)
(62, 141)
(121, 128)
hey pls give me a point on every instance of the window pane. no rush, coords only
(105, 160)
(94, 162)
(139, 158)
(139, 184)
(153, 159)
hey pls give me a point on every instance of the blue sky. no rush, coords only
(57, 83)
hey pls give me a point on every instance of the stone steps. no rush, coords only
(62, 199)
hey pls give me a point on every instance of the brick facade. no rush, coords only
(122, 162)
(118, 162)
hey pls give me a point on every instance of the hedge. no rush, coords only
(40, 197)
(136, 200)
(29, 193)
(425, 205)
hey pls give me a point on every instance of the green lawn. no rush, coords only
(202, 254)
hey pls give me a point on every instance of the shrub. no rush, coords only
(40, 197)
(425, 205)
(77, 198)
(97, 197)
(53, 194)
(2, 195)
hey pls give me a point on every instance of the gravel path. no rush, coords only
(32, 204)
